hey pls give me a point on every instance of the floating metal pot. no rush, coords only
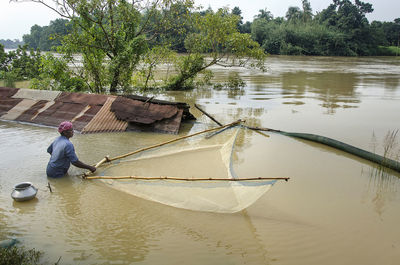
(24, 191)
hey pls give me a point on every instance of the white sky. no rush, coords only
(16, 19)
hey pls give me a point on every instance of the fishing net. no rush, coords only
(196, 174)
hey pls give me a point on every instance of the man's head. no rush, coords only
(66, 129)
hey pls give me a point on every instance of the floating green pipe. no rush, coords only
(383, 161)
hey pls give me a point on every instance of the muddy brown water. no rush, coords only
(336, 208)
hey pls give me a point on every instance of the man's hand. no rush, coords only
(92, 169)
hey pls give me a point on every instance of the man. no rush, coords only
(62, 153)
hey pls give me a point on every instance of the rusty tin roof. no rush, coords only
(92, 113)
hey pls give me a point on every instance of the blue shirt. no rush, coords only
(62, 153)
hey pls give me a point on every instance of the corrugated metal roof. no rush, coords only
(105, 120)
(8, 91)
(37, 94)
(141, 112)
(170, 125)
(6, 104)
(83, 118)
(82, 98)
(31, 113)
(59, 112)
(91, 112)
(18, 109)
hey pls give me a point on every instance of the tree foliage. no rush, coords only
(216, 34)
(340, 29)
(46, 38)
(112, 36)
(11, 44)
(118, 38)
(19, 64)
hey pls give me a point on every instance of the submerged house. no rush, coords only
(91, 113)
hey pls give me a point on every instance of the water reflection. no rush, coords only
(381, 188)
(213, 231)
(392, 83)
(383, 182)
(334, 89)
(26, 207)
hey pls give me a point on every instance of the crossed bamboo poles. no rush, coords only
(107, 159)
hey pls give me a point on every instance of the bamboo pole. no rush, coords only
(105, 159)
(263, 134)
(257, 130)
(262, 129)
(208, 115)
(185, 179)
(86, 174)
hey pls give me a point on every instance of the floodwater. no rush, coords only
(335, 209)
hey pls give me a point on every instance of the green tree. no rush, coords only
(350, 19)
(391, 31)
(294, 14)
(21, 64)
(3, 58)
(378, 29)
(264, 14)
(55, 74)
(47, 37)
(111, 35)
(33, 39)
(173, 25)
(307, 11)
(237, 12)
(117, 38)
(268, 33)
(299, 34)
(246, 27)
(217, 35)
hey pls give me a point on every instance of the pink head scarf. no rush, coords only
(65, 126)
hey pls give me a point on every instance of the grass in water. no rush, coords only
(383, 184)
(390, 145)
(19, 256)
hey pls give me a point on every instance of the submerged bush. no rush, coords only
(235, 81)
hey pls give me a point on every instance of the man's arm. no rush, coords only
(70, 153)
(83, 165)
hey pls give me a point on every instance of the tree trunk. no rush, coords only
(114, 82)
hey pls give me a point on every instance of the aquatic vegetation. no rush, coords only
(19, 256)
(391, 145)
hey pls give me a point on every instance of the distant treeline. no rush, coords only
(44, 38)
(11, 44)
(341, 29)
(47, 37)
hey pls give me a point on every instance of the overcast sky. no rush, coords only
(16, 19)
